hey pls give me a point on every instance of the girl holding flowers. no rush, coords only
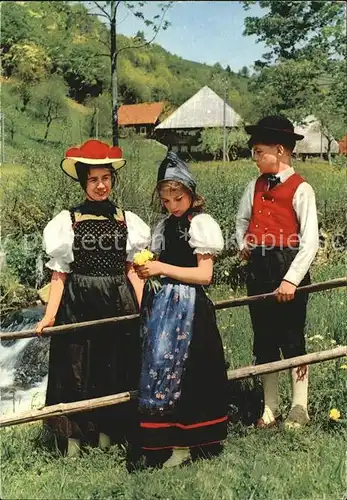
(182, 395)
(91, 248)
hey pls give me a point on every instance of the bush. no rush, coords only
(32, 198)
(14, 295)
(340, 161)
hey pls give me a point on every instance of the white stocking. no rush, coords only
(73, 447)
(300, 386)
(178, 457)
(270, 385)
(104, 441)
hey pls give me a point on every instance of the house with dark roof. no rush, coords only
(143, 117)
(181, 130)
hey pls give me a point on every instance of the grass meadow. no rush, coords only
(271, 464)
(268, 464)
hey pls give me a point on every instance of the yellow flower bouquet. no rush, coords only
(140, 258)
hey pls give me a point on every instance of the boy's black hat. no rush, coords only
(277, 127)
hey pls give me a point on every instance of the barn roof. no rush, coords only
(314, 141)
(146, 113)
(204, 109)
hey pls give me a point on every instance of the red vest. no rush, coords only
(274, 222)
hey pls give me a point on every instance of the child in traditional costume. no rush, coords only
(91, 247)
(182, 396)
(277, 231)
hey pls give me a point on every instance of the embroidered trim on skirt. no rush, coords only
(198, 413)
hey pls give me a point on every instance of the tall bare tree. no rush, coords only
(109, 10)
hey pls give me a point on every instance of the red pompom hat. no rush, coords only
(92, 152)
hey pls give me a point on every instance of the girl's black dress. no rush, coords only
(101, 360)
(183, 379)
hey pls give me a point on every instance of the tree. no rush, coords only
(30, 64)
(49, 103)
(304, 71)
(140, 35)
(212, 142)
(299, 29)
(217, 68)
(244, 72)
(85, 74)
(289, 87)
(99, 119)
(332, 121)
(109, 10)
(17, 26)
(11, 109)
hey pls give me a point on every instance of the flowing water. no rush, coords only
(23, 364)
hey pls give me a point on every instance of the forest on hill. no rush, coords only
(55, 49)
(42, 40)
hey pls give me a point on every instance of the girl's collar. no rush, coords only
(189, 214)
(106, 207)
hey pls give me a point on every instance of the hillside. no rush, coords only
(45, 39)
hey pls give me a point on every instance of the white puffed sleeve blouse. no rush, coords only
(58, 237)
(205, 235)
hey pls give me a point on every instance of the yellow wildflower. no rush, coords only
(343, 367)
(140, 258)
(334, 414)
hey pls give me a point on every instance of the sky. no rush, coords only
(202, 31)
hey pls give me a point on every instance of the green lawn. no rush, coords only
(270, 464)
(255, 464)
(11, 168)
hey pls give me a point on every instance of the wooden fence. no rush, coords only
(239, 373)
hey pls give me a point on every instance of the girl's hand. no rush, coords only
(44, 323)
(151, 268)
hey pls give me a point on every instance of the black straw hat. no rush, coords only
(276, 126)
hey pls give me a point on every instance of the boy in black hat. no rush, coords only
(277, 231)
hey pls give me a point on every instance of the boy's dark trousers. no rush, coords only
(278, 327)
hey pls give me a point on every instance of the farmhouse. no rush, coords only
(182, 129)
(141, 117)
(315, 143)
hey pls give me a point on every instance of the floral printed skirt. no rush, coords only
(182, 398)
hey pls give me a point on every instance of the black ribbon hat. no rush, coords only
(172, 168)
(274, 127)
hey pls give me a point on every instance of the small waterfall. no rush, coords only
(8, 356)
(23, 364)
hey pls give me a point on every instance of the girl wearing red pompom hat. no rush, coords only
(91, 248)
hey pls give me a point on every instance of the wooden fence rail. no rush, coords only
(239, 373)
(222, 304)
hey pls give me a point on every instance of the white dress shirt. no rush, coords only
(304, 204)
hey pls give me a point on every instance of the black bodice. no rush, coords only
(99, 245)
(177, 250)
